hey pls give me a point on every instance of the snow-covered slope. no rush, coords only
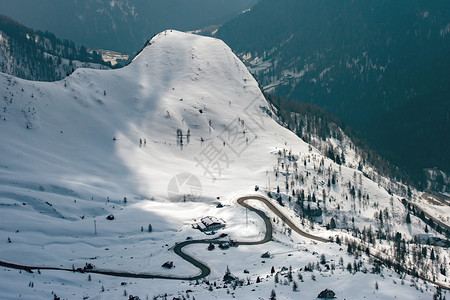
(179, 82)
(108, 142)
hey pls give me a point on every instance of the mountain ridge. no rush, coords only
(120, 25)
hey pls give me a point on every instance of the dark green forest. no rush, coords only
(37, 55)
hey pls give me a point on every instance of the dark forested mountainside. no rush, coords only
(380, 66)
(416, 135)
(37, 55)
(318, 127)
(121, 25)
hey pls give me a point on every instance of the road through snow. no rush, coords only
(178, 248)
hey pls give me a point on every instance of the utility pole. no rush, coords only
(95, 227)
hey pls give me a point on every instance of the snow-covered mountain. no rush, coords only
(162, 142)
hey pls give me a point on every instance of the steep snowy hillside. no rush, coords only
(113, 167)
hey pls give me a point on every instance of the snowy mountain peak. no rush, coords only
(179, 82)
(196, 59)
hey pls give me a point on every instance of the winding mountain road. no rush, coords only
(442, 200)
(204, 269)
(280, 214)
(178, 248)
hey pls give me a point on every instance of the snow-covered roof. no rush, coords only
(201, 226)
(209, 221)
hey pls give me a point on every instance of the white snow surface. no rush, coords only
(61, 169)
